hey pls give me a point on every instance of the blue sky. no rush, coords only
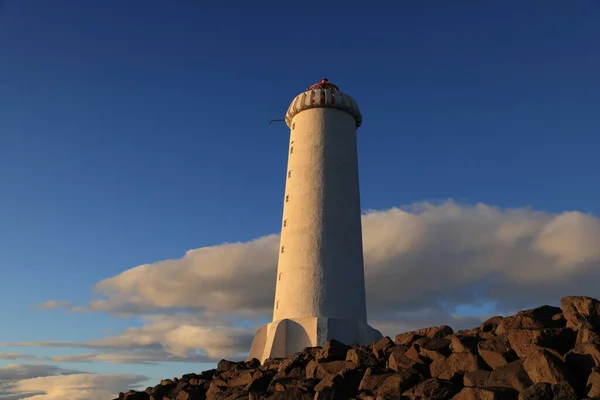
(132, 132)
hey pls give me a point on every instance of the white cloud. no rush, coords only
(48, 382)
(420, 260)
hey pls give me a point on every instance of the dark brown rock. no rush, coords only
(474, 393)
(548, 391)
(592, 388)
(582, 315)
(318, 369)
(496, 351)
(456, 364)
(133, 395)
(432, 389)
(291, 394)
(490, 324)
(477, 378)
(436, 331)
(512, 375)
(430, 349)
(536, 318)
(333, 351)
(382, 347)
(399, 362)
(462, 343)
(525, 340)
(361, 357)
(406, 338)
(543, 365)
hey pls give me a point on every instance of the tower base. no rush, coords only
(287, 336)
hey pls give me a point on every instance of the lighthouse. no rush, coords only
(320, 284)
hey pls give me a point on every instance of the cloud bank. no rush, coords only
(48, 382)
(421, 262)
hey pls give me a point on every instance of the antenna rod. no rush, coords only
(276, 120)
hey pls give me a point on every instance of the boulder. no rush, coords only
(582, 315)
(432, 389)
(361, 357)
(548, 391)
(333, 351)
(473, 393)
(543, 365)
(496, 351)
(512, 375)
(536, 318)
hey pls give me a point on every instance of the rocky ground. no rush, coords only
(538, 354)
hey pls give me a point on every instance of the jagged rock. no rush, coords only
(333, 351)
(399, 362)
(543, 365)
(536, 318)
(319, 369)
(388, 384)
(525, 340)
(432, 389)
(406, 338)
(496, 351)
(537, 354)
(131, 395)
(548, 391)
(460, 343)
(361, 357)
(477, 378)
(512, 375)
(382, 347)
(582, 315)
(431, 332)
(474, 393)
(456, 364)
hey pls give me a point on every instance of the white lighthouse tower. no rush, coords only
(320, 293)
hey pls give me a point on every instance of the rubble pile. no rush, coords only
(545, 353)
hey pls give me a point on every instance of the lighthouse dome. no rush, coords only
(323, 94)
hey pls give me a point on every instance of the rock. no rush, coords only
(388, 384)
(225, 365)
(132, 395)
(399, 362)
(543, 365)
(406, 338)
(432, 332)
(473, 393)
(429, 349)
(525, 340)
(435, 331)
(512, 375)
(333, 351)
(496, 351)
(319, 369)
(456, 364)
(463, 343)
(547, 391)
(582, 360)
(432, 389)
(490, 324)
(382, 347)
(536, 318)
(243, 379)
(592, 388)
(253, 364)
(291, 394)
(477, 378)
(582, 315)
(361, 357)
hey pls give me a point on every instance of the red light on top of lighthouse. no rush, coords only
(324, 84)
